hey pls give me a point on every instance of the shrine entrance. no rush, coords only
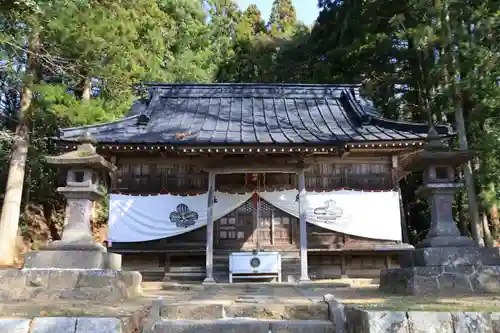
(256, 224)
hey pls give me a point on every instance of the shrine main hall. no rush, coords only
(216, 182)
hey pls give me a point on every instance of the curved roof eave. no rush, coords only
(73, 133)
(369, 116)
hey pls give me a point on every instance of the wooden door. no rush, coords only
(235, 230)
(264, 223)
(255, 224)
(275, 226)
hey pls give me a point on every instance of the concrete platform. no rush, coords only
(43, 284)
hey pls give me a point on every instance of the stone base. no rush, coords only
(451, 256)
(72, 260)
(464, 279)
(87, 245)
(447, 241)
(33, 284)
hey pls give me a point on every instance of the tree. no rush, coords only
(283, 18)
(417, 66)
(250, 24)
(28, 15)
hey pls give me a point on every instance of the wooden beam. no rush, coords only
(210, 230)
(217, 160)
(304, 275)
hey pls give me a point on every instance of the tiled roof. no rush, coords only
(241, 114)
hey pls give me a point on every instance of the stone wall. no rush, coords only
(68, 284)
(440, 279)
(349, 319)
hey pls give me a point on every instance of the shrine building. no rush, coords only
(299, 180)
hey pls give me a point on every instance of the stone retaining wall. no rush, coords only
(349, 319)
(34, 284)
(61, 325)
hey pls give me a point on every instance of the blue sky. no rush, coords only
(307, 10)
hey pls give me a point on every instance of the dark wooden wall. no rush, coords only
(180, 177)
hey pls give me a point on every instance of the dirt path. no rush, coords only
(363, 296)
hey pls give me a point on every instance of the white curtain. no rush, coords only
(144, 218)
(373, 215)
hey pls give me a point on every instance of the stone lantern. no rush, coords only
(444, 261)
(84, 169)
(75, 266)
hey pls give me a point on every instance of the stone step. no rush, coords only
(61, 325)
(152, 276)
(264, 308)
(186, 269)
(243, 326)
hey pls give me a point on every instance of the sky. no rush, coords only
(307, 10)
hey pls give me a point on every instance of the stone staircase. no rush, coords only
(243, 326)
(239, 308)
(249, 314)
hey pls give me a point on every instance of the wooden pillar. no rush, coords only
(166, 268)
(395, 184)
(210, 230)
(304, 276)
(113, 184)
(388, 262)
(343, 267)
(404, 226)
(272, 227)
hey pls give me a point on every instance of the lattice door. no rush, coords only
(264, 222)
(235, 228)
(275, 226)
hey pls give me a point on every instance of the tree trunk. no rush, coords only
(86, 90)
(495, 221)
(462, 138)
(488, 239)
(11, 208)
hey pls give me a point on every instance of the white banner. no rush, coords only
(373, 215)
(145, 218)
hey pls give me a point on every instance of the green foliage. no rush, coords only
(401, 51)
(283, 18)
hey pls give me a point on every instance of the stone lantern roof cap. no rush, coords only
(436, 152)
(85, 156)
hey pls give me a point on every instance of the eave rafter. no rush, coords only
(340, 149)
